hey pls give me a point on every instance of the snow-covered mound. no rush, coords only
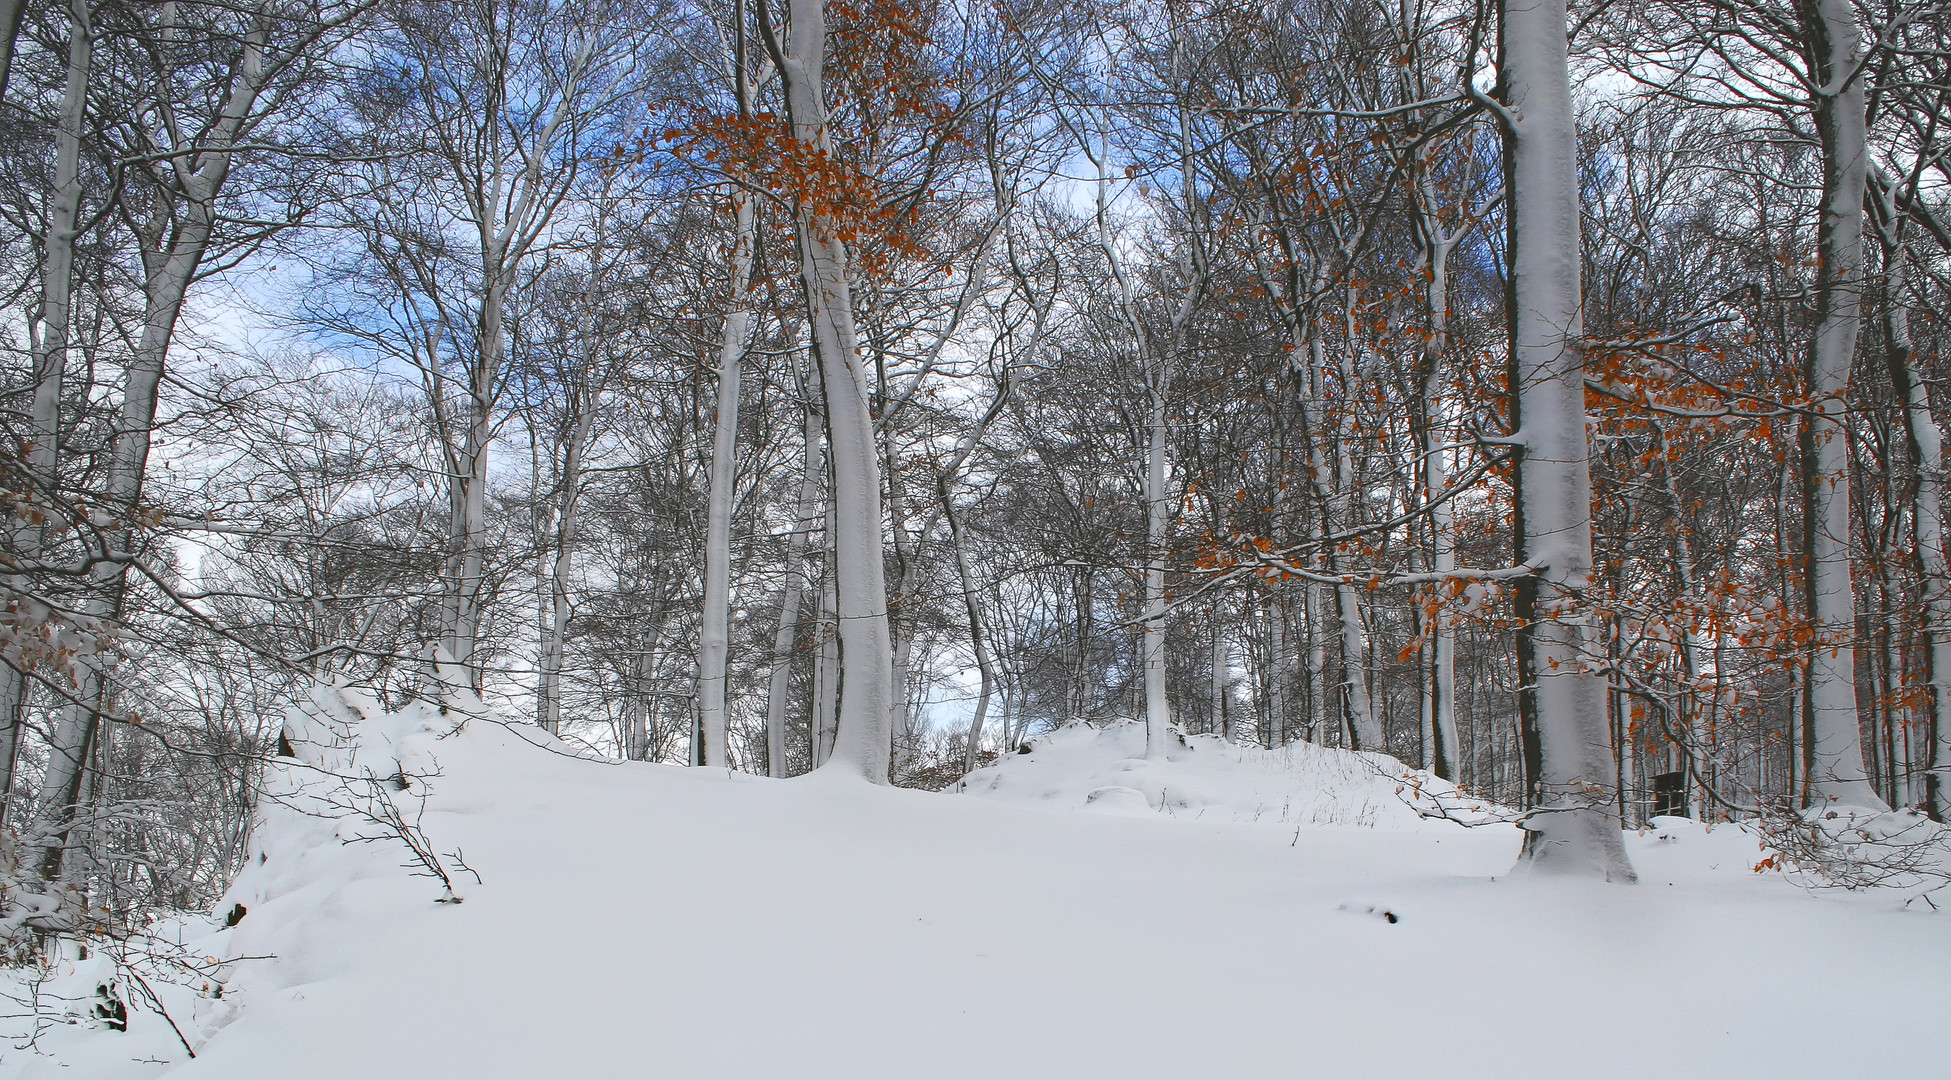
(636, 920)
(334, 840)
(1207, 779)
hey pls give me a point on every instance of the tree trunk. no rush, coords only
(10, 13)
(1317, 668)
(556, 633)
(1837, 772)
(1574, 826)
(172, 240)
(1443, 752)
(780, 684)
(1158, 710)
(468, 490)
(971, 605)
(1219, 667)
(715, 620)
(50, 344)
(827, 672)
(1926, 445)
(862, 741)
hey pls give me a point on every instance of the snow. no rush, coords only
(1229, 916)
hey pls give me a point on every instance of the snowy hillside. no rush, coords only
(651, 921)
(1206, 780)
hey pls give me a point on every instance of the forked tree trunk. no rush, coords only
(172, 243)
(467, 496)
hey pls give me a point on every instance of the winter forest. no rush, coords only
(1506, 422)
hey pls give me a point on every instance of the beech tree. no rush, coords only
(1568, 761)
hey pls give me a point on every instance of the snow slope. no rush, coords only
(651, 921)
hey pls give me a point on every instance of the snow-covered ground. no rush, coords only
(1225, 914)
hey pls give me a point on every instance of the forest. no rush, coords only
(1551, 398)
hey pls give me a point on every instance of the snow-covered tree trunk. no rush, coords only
(49, 334)
(1443, 746)
(779, 684)
(1335, 486)
(642, 725)
(10, 13)
(1445, 753)
(1834, 751)
(509, 175)
(1216, 703)
(172, 235)
(170, 266)
(861, 744)
(902, 616)
(1280, 667)
(555, 633)
(714, 633)
(827, 671)
(1317, 668)
(978, 641)
(50, 351)
(173, 240)
(73, 728)
(1158, 709)
(1153, 476)
(1699, 760)
(1357, 703)
(467, 525)
(1926, 447)
(1574, 826)
(1158, 363)
(1357, 706)
(1076, 693)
